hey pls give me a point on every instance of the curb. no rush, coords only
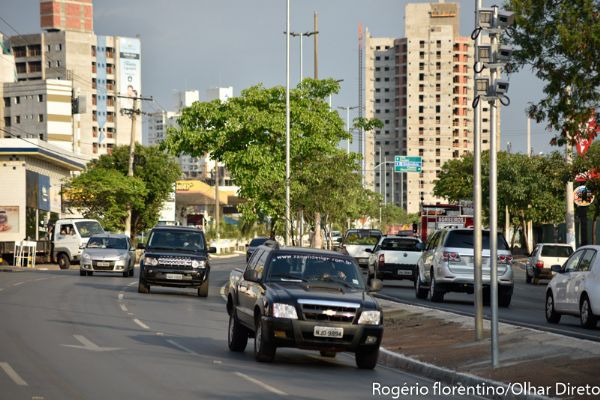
(395, 360)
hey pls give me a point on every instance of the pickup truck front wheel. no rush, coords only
(367, 359)
(263, 350)
(237, 337)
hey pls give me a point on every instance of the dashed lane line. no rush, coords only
(12, 374)
(140, 323)
(18, 283)
(123, 307)
(120, 296)
(182, 347)
(261, 384)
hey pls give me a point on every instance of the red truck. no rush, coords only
(437, 216)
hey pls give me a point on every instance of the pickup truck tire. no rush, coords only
(143, 287)
(328, 354)
(203, 289)
(263, 350)
(436, 295)
(62, 259)
(367, 359)
(420, 292)
(237, 335)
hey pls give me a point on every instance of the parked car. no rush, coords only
(254, 243)
(447, 266)
(107, 253)
(575, 289)
(543, 256)
(310, 299)
(175, 256)
(356, 241)
(395, 257)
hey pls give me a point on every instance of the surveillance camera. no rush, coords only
(501, 86)
(486, 18)
(485, 53)
(505, 19)
(504, 53)
(482, 86)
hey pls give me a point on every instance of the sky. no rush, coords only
(199, 44)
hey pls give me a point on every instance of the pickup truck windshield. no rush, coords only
(176, 240)
(88, 228)
(313, 268)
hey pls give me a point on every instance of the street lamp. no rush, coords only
(301, 34)
(348, 108)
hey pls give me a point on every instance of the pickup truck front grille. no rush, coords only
(175, 262)
(315, 310)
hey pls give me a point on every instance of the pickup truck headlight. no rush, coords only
(198, 264)
(151, 261)
(281, 310)
(370, 317)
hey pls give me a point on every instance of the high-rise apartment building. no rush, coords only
(101, 68)
(421, 88)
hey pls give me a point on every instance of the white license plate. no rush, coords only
(175, 276)
(404, 272)
(325, 331)
(102, 264)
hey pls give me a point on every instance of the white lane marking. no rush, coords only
(222, 291)
(130, 313)
(40, 279)
(182, 347)
(140, 323)
(217, 362)
(18, 283)
(12, 374)
(131, 284)
(159, 334)
(123, 307)
(121, 296)
(89, 345)
(261, 384)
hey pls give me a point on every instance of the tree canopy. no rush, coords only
(103, 190)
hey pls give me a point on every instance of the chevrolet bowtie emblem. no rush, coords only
(330, 313)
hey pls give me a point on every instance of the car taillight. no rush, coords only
(502, 259)
(450, 256)
(381, 260)
(539, 264)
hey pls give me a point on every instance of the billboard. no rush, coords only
(130, 74)
(9, 219)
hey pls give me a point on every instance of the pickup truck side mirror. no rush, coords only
(250, 275)
(376, 285)
(556, 268)
(212, 250)
(141, 246)
(82, 246)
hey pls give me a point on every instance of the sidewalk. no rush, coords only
(441, 345)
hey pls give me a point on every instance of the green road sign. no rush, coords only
(408, 164)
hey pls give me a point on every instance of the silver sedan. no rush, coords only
(107, 252)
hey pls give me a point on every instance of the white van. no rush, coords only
(69, 236)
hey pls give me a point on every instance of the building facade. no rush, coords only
(421, 88)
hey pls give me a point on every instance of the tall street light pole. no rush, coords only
(287, 126)
(348, 108)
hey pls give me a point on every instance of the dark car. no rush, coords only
(176, 257)
(254, 243)
(305, 298)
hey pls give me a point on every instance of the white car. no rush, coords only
(543, 257)
(108, 252)
(575, 289)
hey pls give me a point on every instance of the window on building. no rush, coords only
(438, 65)
(437, 152)
(40, 98)
(40, 118)
(17, 119)
(438, 87)
(58, 47)
(7, 122)
(438, 131)
(422, 44)
(377, 58)
(422, 55)
(438, 76)
(438, 109)
(7, 102)
(421, 109)
(421, 77)
(438, 141)
(438, 120)
(377, 69)
(438, 98)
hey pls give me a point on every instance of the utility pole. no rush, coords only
(132, 113)
(217, 205)
(570, 213)
(287, 127)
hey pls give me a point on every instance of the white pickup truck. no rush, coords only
(395, 257)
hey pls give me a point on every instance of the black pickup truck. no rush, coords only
(305, 298)
(177, 257)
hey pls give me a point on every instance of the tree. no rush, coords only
(588, 166)
(247, 134)
(560, 41)
(103, 190)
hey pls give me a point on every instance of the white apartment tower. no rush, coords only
(420, 87)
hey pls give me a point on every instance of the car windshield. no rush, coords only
(556, 251)
(258, 241)
(313, 269)
(88, 228)
(362, 237)
(103, 242)
(399, 244)
(176, 240)
(464, 239)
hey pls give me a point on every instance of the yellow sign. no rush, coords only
(191, 186)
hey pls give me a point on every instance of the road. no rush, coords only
(64, 336)
(526, 308)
